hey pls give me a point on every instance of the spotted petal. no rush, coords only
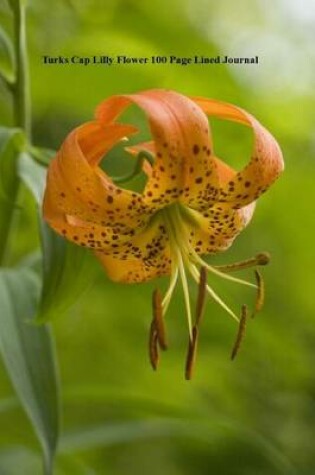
(76, 187)
(184, 165)
(142, 257)
(266, 162)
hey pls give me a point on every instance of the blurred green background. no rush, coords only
(253, 416)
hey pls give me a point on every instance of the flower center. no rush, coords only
(178, 221)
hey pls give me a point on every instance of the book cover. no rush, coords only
(156, 218)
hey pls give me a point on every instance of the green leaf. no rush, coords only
(6, 56)
(29, 357)
(11, 143)
(67, 269)
(12, 458)
(33, 176)
(42, 155)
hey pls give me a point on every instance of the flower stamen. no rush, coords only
(186, 292)
(158, 319)
(153, 346)
(191, 353)
(193, 343)
(261, 259)
(202, 292)
(170, 290)
(195, 274)
(241, 332)
(260, 297)
(217, 272)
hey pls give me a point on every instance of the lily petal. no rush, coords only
(141, 258)
(83, 191)
(134, 270)
(182, 142)
(265, 165)
(216, 230)
(96, 140)
(85, 233)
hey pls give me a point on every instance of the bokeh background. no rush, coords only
(257, 414)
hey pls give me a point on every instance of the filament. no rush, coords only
(170, 290)
(201, 295)
(212, 293)
(217, 272)
(186, 292)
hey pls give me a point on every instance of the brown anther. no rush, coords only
(158, 318)
(241, 332)
(153, 346)
(191, 353)
(263, 258)
(202, 292)
(260, 297)
(260, 259)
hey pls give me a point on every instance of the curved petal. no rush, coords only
(216, 230)
(76, 188)
(220, 224)
(85, 233)
(265, 165)
(184, 164)
(96, 140)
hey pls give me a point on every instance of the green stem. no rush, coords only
(141, 157)
(21, 111)
(21, 96)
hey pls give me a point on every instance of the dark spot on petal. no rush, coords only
(196, 149)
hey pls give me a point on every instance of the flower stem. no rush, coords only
(21, 111)
(21, 93)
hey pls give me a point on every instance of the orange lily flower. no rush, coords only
(192, 203)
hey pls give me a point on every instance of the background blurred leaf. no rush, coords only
(6, 55)
(33, 176)
(67, 269)
(29, 356)
(15, 457)
(11, 142)
(205, 431)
